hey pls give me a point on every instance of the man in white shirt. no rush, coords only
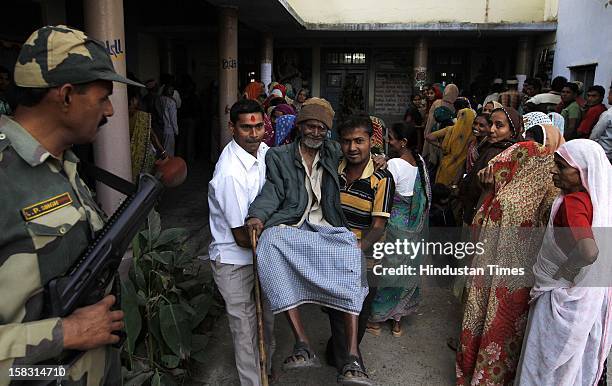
(168, 80)
(602, 132)
(548, 101)
(238, 178)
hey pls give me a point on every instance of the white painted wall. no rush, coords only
(584, 36)
(424, 11)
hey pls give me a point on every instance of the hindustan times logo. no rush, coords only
(412, 249)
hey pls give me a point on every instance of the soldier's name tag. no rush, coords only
(47, 206)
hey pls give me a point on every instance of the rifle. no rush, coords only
(90, 277)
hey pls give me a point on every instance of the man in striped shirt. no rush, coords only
(366, 196)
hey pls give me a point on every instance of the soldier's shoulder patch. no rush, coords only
(47, 206)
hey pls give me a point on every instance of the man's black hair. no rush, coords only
(32, 96)
(413, 111)
(407, 131)
(357, 121)
(4, 70)
(133, 92)
(558, 83)
(535, 82)
(481, 113)
(245, 106)
(598, 89)
(277, 101)
(572, 86)
(461, 103)
(28, 96)
(537, 132)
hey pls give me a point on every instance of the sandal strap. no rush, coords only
(301, 349)
(353, 365)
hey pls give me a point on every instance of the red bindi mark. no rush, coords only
(252, 118)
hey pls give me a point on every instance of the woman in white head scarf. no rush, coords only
(536, 118)
(568, 332)
(557, 120)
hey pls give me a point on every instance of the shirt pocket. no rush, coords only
(55, 238)
(45, 229)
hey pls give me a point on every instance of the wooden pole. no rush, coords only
(263, 358)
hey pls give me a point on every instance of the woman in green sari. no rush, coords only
(398, 296)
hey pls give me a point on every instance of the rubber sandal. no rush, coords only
(374, 329)
(354, 366)
(301, 357)
(397, 333)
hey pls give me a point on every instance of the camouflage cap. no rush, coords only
(56, 55)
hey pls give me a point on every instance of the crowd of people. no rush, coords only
(174, 113)
(499, 169)
(320, 204)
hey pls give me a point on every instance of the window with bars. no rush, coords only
(584, 74)
(346, 58)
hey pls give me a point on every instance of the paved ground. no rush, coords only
(420, 357)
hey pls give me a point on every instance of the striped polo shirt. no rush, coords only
(369, 196)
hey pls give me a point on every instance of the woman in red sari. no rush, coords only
(519, 197)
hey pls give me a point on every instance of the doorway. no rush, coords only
(344, 82)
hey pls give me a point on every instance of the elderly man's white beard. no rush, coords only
(312, 143)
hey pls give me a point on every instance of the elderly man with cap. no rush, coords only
(306, 253)
(49, 217)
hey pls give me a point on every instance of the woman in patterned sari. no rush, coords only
(518, 199)
(141, 148)
(399, 296)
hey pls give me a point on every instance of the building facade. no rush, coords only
(584, 46)
(362, 55)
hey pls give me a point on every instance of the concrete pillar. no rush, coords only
(421, 51)
(167, 56)
(228, 69)
(315, 87)
(53, 12)
(267, 58)
(372, 83)
(524, 58)
(104, 21)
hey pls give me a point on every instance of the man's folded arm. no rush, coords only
(273, 192)
(231, 196)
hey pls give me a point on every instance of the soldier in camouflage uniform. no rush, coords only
(48, 216)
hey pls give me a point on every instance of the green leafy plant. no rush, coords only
(166, 298)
